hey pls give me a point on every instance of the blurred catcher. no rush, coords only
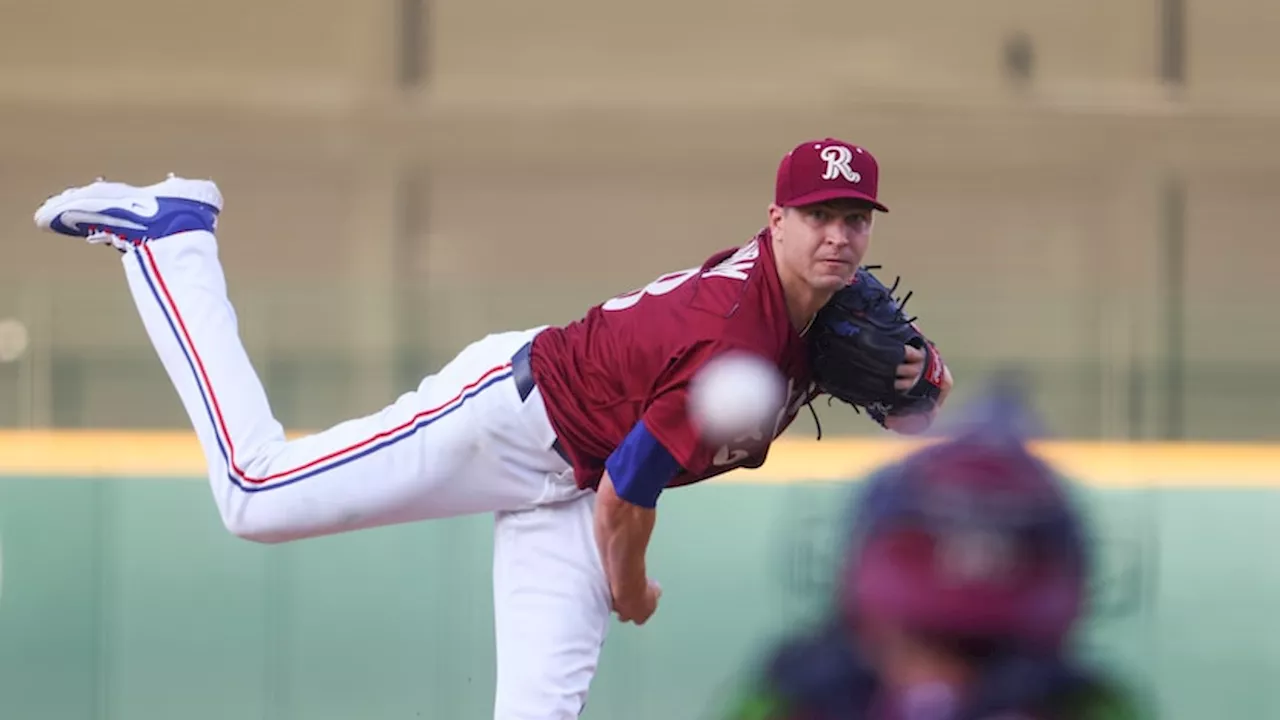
(965, 574)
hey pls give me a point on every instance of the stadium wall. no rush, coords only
(121, 597)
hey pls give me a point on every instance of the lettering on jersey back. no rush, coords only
(738, 265)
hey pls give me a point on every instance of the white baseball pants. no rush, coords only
(465, 441)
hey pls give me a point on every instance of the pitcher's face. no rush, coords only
(823, 244)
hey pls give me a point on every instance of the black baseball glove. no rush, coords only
(856, 344)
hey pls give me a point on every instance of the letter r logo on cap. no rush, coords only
(838, 158)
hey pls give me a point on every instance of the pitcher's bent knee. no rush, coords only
(247, 517)
(260, 517)
(269, 533)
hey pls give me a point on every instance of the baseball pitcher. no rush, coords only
(568, 435)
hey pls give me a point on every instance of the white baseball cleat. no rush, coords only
(126, 216)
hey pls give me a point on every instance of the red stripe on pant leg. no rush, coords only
(206, 387)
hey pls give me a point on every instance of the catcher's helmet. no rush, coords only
(973, 537)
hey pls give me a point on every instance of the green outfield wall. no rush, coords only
(124, 599)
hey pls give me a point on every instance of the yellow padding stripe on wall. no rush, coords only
(102, 454)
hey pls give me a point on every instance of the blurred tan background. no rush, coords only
(1079, 191)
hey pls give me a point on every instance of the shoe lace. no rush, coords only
(98, 236)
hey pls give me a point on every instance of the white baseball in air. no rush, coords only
(734, 395)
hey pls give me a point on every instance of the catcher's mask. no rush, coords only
(971, 538)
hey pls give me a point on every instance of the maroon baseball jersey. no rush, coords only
(631, 359)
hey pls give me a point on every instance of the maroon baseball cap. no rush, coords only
(821, 170)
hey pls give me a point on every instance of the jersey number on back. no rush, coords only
(661, 286)
(736, 266)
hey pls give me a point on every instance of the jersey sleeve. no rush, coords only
(667, 417)
(663, 446)
(641, 467)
